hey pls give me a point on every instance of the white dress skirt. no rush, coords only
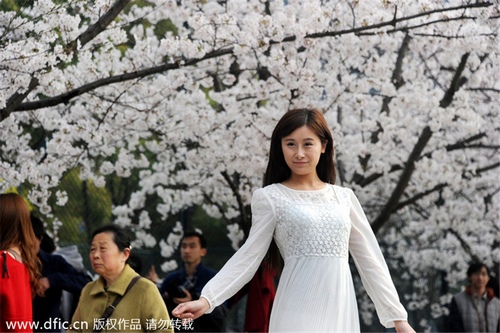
(315, 231)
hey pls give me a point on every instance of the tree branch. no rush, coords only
(419, 196)
(488, 168)
(397, 193)
(16, 99)
(464, 244)
(98, 27)
(398, 81)
(392, 22)
(66, 97)
(234, 188)
(456, 83)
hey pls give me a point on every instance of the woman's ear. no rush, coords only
(126, 253)
(323, 146)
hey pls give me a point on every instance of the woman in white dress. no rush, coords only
(315, 226)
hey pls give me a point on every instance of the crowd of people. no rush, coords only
(303, 227)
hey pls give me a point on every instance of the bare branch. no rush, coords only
(397, 193)
(419, 196)
(488, 168)
(464, 244)
(98, 27)
(456, 83)
(392, 22)
(412, 27)
(16, 99)
(398, 81)
(66, 97)
(245, 223)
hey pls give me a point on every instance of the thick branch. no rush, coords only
(456, 83)
(16, 99)
(392, 22)
(241, 206)
(98, 27)
(487, 168)
(419, 196)
(66, 97)
(398, 81)
(397, 193)
(465, 246)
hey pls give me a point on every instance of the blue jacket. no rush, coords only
(61, 276)
(213, 322)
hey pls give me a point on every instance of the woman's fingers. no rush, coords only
(183, 311)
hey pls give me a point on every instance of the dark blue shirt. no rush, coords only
(213, 322)
(61, 276)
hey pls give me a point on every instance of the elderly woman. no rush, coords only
(141, 308)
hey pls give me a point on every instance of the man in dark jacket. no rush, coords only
(185, 284)
(57, 275)
(476, 309)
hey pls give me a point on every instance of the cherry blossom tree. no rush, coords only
(186, 93)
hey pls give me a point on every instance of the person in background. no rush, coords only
(140, 310)
(71, 254)
(135, 262)
(186, 283)
(311, 225)
(476, 309)
(57, 275)
(19, 265)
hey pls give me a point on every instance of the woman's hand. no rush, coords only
(402, 326)
(191, 310)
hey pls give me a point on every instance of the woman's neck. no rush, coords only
(15, 252)
(111, 279)
(302, 183)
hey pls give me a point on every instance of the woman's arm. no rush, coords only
(244, 263)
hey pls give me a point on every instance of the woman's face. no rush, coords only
(106, 259)
(302, 150)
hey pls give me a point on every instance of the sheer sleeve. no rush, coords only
(372, 267)
(244, 263)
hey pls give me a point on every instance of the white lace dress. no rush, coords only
(315, 231)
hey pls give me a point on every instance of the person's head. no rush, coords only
(16, 231)
(109, 251)
(193, 247)
(38, 230)
(45, 242)
(277, 169)
(478, 276)
(135, 262)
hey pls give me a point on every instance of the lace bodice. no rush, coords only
(311, 223)
(315, 232)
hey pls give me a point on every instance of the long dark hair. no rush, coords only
(278, 171)
(16, 230)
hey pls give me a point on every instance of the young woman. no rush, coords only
(19, 265)
(315, 225)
